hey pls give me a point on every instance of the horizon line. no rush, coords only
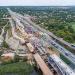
(40, 5)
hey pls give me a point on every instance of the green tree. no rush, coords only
(4, 44)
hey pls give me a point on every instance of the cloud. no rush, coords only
(37, 2)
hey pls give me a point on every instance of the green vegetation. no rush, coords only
(73, 25)
(5, 45)
(3, 14)
(7, 27)
(65, 59)
(58, 24)
(3, 22)
(19, 68)
(15, 60)
(1, 52)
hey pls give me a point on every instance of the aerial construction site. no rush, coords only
(38, 45)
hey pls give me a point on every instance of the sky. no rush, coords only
(37, 2)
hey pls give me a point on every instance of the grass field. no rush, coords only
(19, 68)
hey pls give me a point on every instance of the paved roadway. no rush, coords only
(49, 33)
(39, 42)
(65, 52)
(35, 28)
(55, 66)
(61, 49)
(64, 68)
(47, 72)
